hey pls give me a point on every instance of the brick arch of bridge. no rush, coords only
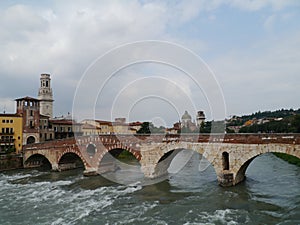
(45, 153)
(119, 145)
(156, 153)
(74, 151)
(243, 161)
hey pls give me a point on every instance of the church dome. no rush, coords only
(186, 116)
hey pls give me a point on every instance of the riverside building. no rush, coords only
(11, 133)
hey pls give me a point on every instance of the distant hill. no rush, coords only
(279, 121)
(273, 114)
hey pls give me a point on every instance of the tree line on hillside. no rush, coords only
(290, 123)
(281, 113)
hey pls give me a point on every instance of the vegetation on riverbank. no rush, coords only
(289, 158)
(126, 155)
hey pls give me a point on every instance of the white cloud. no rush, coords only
(269, 22)
(64, 37)
(254, 5)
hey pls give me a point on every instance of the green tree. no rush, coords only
(145, 128)
(229, 131)
(296, 123)
(156, 130)
(205, 127)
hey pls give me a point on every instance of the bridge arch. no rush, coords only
(169, 152)
(64, 157)
(37, 160)
(243, 165)
(116, 147)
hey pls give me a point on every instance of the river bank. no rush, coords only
(289, 158)
(11, 162)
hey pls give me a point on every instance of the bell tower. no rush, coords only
(45, 96)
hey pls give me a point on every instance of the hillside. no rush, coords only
(279, 121)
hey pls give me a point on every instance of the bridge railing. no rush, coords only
(242, 138)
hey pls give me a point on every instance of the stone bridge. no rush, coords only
(229, 154)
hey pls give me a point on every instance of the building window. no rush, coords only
(45, 136)
(3, 121)
(19, 137)
(31, 113)
(69, 129)
(7, 130)
(46, 83)
(7, 121)
(50, 136)
(11, 121)
(31, 124)
(11, 130)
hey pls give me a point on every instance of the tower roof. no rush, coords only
(186, 116)
(45, 75)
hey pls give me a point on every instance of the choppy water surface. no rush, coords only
(270, 195)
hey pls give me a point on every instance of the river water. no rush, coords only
(270, 195)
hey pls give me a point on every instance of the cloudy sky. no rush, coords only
(251, 47)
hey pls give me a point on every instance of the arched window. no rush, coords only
(225, 160)
(30, 140)
(91, 149)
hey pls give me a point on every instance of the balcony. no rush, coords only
(6, 143)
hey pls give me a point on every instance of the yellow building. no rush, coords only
(11, 133)
(106, 127)
(98, 127)
(121, 128)
(89, 129)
